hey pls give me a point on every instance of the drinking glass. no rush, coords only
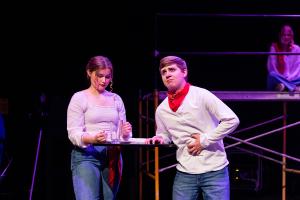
(115, 136)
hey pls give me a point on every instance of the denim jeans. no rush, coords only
(211, 185)
(274, 79)
(89, 174)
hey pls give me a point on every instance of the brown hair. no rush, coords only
(286, 26)
(169, 60)
(282, 31)
(99, 62)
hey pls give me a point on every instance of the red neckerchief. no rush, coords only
(114, 167)
(280, 58)
(175, 99)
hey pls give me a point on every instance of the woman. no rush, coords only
(284, 70)
(92, 113)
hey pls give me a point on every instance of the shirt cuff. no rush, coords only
(204, 141)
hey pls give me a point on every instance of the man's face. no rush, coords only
(173, 77)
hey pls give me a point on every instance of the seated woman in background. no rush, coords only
(284, 70)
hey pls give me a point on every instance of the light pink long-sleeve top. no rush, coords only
(84, 116)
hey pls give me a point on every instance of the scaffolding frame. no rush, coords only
(246, 96)
(283, 97)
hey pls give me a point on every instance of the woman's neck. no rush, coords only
(95, 92)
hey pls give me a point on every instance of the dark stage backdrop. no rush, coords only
(45, 48)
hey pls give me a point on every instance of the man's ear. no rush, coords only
(185, 71)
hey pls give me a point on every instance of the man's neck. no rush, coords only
(179, 89)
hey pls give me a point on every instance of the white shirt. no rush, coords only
(203, 113)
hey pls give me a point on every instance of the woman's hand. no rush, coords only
(100, 137)
(94, 139)
(126, 130)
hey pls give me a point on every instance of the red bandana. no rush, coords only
(114, 167)
(280, 58)
(175, 99)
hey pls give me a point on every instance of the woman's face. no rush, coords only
(286, 35)
(100, 79)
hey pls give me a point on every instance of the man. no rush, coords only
(196, 121)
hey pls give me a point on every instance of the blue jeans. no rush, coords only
(211, 185)
(89, 174)
(274, 79)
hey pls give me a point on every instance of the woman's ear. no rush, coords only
(88, 73)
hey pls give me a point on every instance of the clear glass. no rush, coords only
(108, 132)
(116, 134)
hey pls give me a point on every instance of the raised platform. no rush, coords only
(248, 95)
(257, 95)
